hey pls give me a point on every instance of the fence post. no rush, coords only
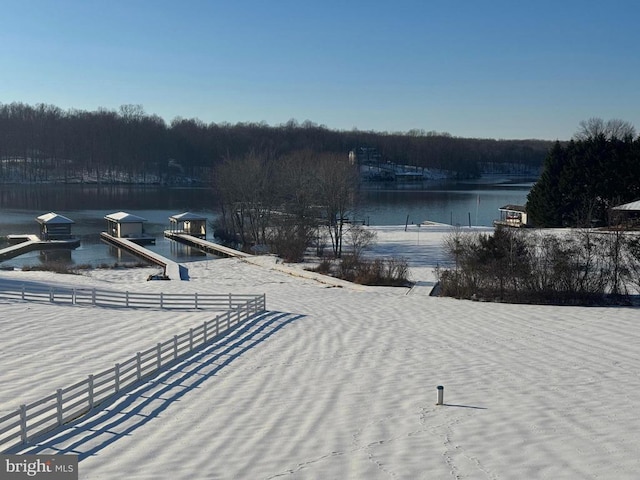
(73, 297)
(23, 291)
(126, 298)
(159, 355)
(90, 392)
(195, 295)
(23, 423)
(217, 325)
(204, 335)
(230, 301)
(161, 300)
(175, 347)
(190, 339)
(139, 364)
(51, 294)
(228, 320)
(93, 297)
(59, 405)
(117, 378)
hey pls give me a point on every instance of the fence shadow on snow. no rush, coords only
(35, 419)
(138, 404)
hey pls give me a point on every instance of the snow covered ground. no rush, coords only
(337, 380)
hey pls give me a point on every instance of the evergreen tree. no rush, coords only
(581, 181)
(545, 201)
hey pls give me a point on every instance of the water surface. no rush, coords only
(456, 203)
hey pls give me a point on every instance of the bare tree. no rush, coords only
(296, 226)
(247, 198)
(614, 128)
(632, 260)
(336, 185)
(359, 239)
(620, 129)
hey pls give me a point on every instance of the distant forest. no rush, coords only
(44, 143)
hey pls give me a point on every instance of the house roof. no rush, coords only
(124, 217)
(631, 207)
(181, 217)
(53, 218)
(514, 208)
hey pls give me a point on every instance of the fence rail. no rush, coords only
(112, 298)
(66, 404)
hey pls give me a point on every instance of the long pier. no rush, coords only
(172, 269)
(205, 245)
(29, 243)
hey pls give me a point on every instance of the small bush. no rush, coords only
(392, 272)
(324, 267)
(398, 270)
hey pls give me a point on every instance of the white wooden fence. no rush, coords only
(112, 298)
(66, 404)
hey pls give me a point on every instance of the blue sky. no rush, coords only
(490, 69)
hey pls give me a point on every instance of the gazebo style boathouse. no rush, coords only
(512, 216)
(191, 229)
(54, 227)
(189, 223)
(55, 233)
(126, 225)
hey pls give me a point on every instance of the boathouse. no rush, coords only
(55, 234)
(54, 227)
(126, 225)
(512, 216)
(189, 223)
(629, 213)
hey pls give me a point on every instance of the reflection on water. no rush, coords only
(110, 198)
(55, 256)
(459, 203)
(87, 206)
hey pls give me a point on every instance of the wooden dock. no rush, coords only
(29, 243)
(204, 245)
(172, 269)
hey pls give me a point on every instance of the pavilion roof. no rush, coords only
(632, 207)
(124, 217)
(514, 208)
(53, 218)
(186, 216)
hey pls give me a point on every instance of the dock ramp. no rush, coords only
(172, 269)
(205, 245)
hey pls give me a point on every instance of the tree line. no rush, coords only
(44, 143)
(582, 179)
